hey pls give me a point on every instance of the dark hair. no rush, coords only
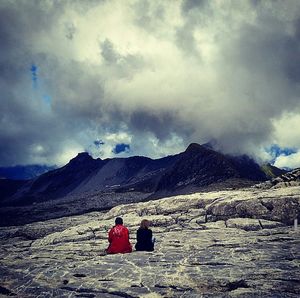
(118, 221)
(145, 224)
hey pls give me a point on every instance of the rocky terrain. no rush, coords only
(86, 184)
(234, 243)
(291, 178)
(67, 206)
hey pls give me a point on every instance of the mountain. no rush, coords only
(9, 187)
(201, 166)
(84, 175)
(271, 171)
(23, 172)
(197, 167)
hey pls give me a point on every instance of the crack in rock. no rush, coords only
(231, 286)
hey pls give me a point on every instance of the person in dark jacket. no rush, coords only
(145, 242)
(118, 238)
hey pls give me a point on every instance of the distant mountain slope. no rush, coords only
(83, 174)
(198, 166)
(126, 174)
(24, 172)
(57, 183)
(271, 171)
(9, 187)
(202, 166)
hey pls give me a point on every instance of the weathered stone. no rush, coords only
(199, 220)
(247, 224)
(284, 209)
(288, 179)
(253, 208)
(220, 224)
(196, 254)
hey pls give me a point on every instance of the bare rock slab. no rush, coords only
(217, 244)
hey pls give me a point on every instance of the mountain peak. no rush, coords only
(194, 147)
(212, 144)
(81, 157)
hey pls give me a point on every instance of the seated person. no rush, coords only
(118, 238)
(144, 237)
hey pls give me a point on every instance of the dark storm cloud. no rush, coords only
(108, 52)
(293, 54)
(195, 13)
(149, 15)
(272, 50)
(120, 65)
(146, 74)
(28, 132)
(185, 39)
(162, 124)
(188, 5)
(266, 49)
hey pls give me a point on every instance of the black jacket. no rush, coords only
(144, 240)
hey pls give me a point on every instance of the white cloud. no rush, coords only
(66, 156)
(164, 73)
(288, 161)
(286, 130)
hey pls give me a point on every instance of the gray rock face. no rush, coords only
(217, 244)
(288, 179)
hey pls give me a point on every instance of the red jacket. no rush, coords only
(118, 238)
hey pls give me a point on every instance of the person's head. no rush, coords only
(145, 224)
(118, 221)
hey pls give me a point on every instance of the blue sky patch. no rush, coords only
(276, 151)
(47, 99)
(121, 148)
(34, 75)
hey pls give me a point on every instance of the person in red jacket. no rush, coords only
(118, 238)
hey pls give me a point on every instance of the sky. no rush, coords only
(123, 78)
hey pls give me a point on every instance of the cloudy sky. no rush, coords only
(122, 78)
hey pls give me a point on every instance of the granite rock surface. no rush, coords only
(220, 244)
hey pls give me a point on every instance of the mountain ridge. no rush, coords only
(24, 172)
(197, 167)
